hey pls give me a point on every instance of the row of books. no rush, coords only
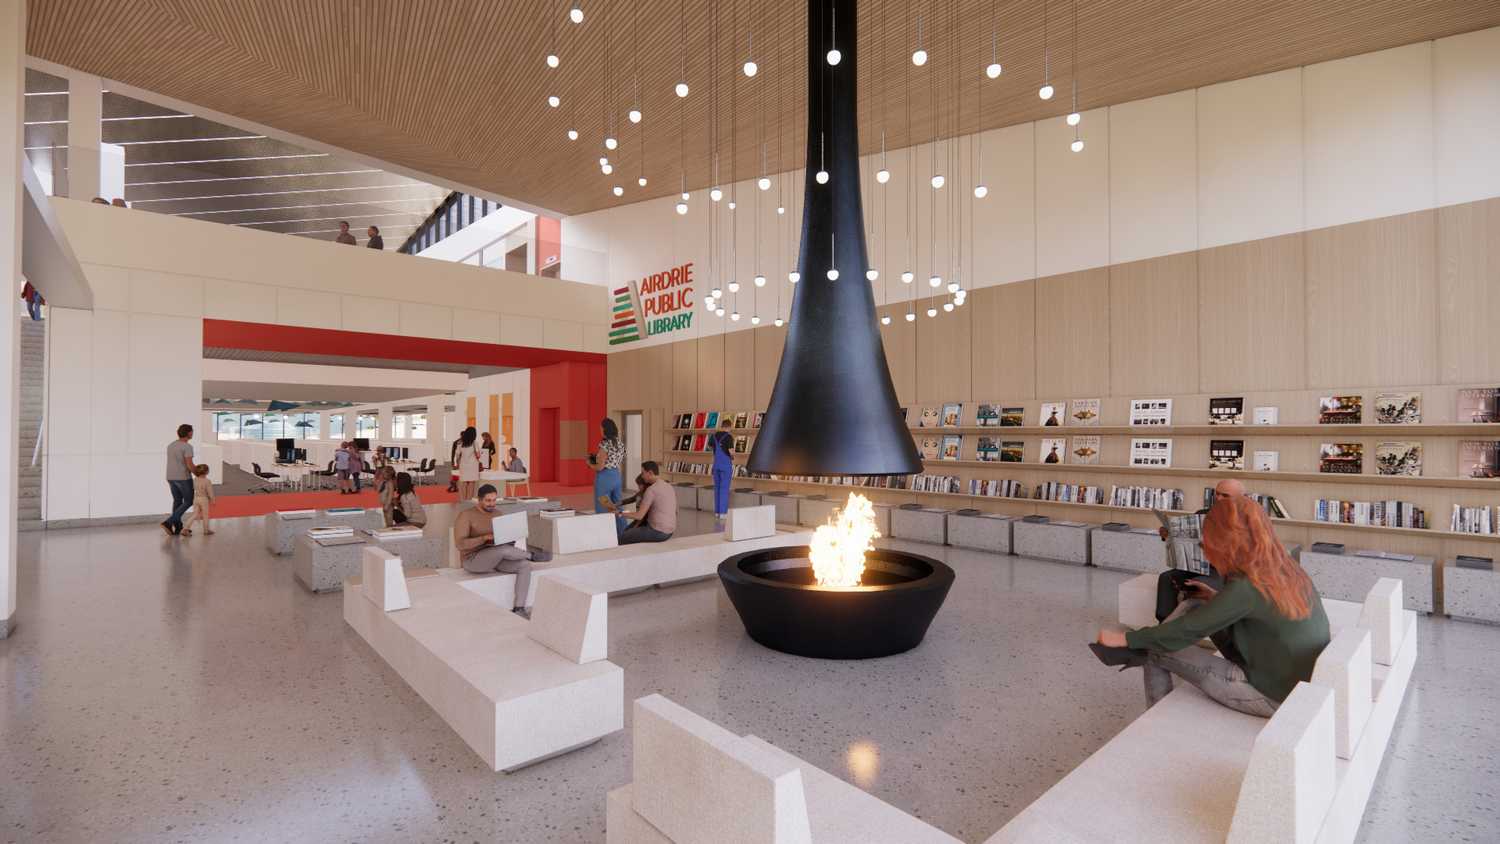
(1271, 504)
(1475, 404)
(1145, 497)
(1381, 513)
(1475, 519)
(936, 483)
(716, 419)
(997, 488)
(1073, 493)
(701, 442)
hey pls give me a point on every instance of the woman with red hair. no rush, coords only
(1268, 606)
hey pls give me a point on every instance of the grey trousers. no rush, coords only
(506, 559)
(1215, 676)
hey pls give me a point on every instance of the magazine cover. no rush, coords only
(1267, 415)
(931, 448)
(1398, 408)
(1229, 410)
(1267, 461)
(1085, 450)
(952, 415)
(1012, 417)
(1085, 412)
(1226, 454)
(1479, 404)
(700, 420)
(742, 420)
(1341, 410)
(988, 450)
(726, 420)
(1054, 450)
(741, 444)
(987, 416)
(713, 419)
(698, 441)
(952, 445)
(1341, 458)
(1151, 453)
(929, 418)
(1051, 414)
(1478, 459)
(1150, 411)
(1012, 451)
(1399, 458)
(760, 418)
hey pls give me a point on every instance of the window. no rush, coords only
(367, 425)
(227, 425)
(273, 426)
(250, 425)
(417, 426)
(336, 426)
(304, 426)
(398, 426)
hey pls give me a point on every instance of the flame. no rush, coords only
(838, 548)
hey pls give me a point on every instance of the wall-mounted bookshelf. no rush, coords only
(1465, 431)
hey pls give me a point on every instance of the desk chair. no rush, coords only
(424, 469)
(511, 485)
(265, 476)
(324, 476)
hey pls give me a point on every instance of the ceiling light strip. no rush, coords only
(191, 140)
(219, 160)
(422, 199)
(438, 192)
(321, 219)
(243, 178)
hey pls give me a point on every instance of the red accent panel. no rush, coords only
(262, 337)
(548, 241)
(577, 393)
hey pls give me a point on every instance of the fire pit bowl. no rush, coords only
(784, 609)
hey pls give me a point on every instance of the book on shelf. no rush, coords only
(1403, 514)
(699, 441)
(1398, 408)
(685, 420)
(1328, 547)
(1470, 561)
(742, 420)
(931, 447)
(1267, 461)
(759, 419)
(953, 414)
(930, 418)
(1147, 497)
(988, 415)
(1085, 450)
(1012, 417)
(1051, 414)
(1399, 458)
(997, 488)
(1085, 412)
(1227, 410)
(1479, 404)
(712, 420)
(741, 444)
(1474, 519)
(952, 447)
(700, 419)
(1341, 458)
(1053, 450)
(726, 421)
(1012, 451)
(1151, 412)
(987, 451)
(936, 483)
(1271, 504)
(1478, 459)
(1151, 453)
(1068, 493)
(1267, 415)
(1341, 410)
(1226, 454)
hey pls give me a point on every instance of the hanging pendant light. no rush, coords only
(911, 316)
(760, 280)
(1045, 92)
(919, 55)
(618, 191)
(554, 101)
(553, 61)
(572, 134)
(794, 276)
(872, 274)
(575, 14)
(778, 322)
(885, 320)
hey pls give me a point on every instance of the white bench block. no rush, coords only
(925, 524)
(1063, 543)
(1138, 601)
(981, 531)
(1344, 666)
(1289, 782)
(622, 825)
(750, 523)
(698, 783)
(384, 581)
(687, 496)
(1472, 594)
(786, 507)
(571, 620)
(815, 512)
(1137, 549)
(705, 500)
(574, 534)
(1349, 577)
(1382, 615)
(499, 589)
(745, 498)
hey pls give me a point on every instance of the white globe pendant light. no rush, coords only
(948, 307)
(911, 316)
(834, 57)
(682, 208)
(682, 89)
(719, 311)
(554, 101)
(634, 115)
(641, 181)
(937, 181)
(833, 274)
(716, 293)
(754, 319)
(794, 276)
(572, 134)
(934, 281)
(715, 194)
(932, 312)
(618, 191)
(953, 287)
(1077, 145)
(778, 322)
(780, 209)
(760, 280)
(732, 205)
(919, 57)
(993, 70)
(735, 316)
(607, 168)
(575, 14)
(552, 60)
(734, 286)
(885, 320)
(980, 191)
(751, 68)
(908, 277)
(764, 183)
(610, 142)
(872, 274)
(821, 177)
(1046, 91)
(1074, 118)
(882, 175)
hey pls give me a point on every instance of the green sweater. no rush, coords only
(1278, 651)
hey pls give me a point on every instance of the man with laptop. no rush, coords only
(482, 552)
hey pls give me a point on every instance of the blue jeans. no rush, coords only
(642, 533)
(723, 478)
(182, 499)
(606, 485)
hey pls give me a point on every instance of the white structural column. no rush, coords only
(12, 114)
(435, 425)
(85, 105)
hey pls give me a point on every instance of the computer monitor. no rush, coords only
(285, 448)
(362, 443)
(300, 454)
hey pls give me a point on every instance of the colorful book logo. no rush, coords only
(625, 317)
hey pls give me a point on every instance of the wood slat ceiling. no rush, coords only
(457, 88)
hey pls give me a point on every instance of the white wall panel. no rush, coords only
(70, 356)
(154, 292)
(111, 286)
(1369, 139)
(521, 331)
(1153, 177)
(595, 339)
(1466, 81)
(1004, 245)
(1250, 158)
(68, 486)
(165, 380)
(1072, 195)
(557, 334)
(129, 484)
(308, 308)
(476, 326)
(110, 377)
(434, 321)
(235, 300)
(362, 313)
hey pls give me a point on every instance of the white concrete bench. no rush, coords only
(281, 531)
(1303, 776)
(572, 534)
(1137, 606)
(1063, 542)
(516, 692)
(814, 511)
(695, 782)
(980, 531)
(920, 524)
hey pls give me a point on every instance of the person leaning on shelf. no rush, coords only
(1268, 607)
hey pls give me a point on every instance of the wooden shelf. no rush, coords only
(1474, 431)
(681, 431)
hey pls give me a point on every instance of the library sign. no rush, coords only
(660, 303)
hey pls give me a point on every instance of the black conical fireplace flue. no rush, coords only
(833, 410)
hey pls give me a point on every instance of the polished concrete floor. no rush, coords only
(190, 690)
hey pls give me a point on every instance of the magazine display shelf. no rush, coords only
(1460, 430)
(1186, 472)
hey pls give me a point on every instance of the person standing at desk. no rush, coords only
(606, 460)
(723, 475)
(470, 462)
(489, 450)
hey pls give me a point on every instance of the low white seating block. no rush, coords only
(924, 524)
(786, 507)
(1289, 782)
(750, 523)
(815, 511)
(1136, 549)
(1138, 601)
(512, 699)
(1349, 576)
(744, 497)
(499, 589)
(574, 534)
(980, 531)
(571, 619)
(687, 496)
(1383, 617)
(384, 581)
(1471, 594)
(705, 501)
(1063, 542)
(1344, 666)
(696, 782)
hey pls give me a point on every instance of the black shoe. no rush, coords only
(1123, 657)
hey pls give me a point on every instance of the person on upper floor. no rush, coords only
(490, 451)
(374, 241)
(344, 236)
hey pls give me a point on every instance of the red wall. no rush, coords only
(577, 390)
(548, 242)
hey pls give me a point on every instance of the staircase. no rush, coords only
(33, 376)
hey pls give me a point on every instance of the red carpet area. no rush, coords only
(230, 506)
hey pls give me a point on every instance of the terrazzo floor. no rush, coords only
(190, 690)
